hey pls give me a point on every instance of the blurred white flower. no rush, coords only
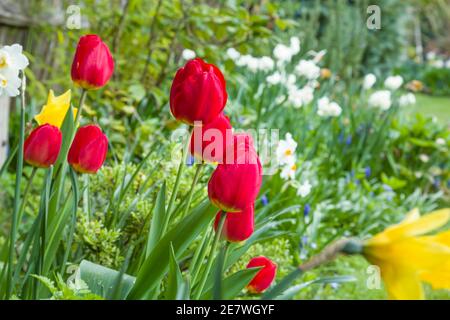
(307, 69)
(424, 158)
(369, 81)
(243, 60)
(407, 99)
(431, 55)
(252, 63)
(439, 63)
(285, 151)
(380, 99)
(294, 45)
(447, 64)
(441, 141)
(266, 63)
(282, 53)
(327, 108)
(393, 82)
(188, 54)
(300, 97)
(233, 54)
(274, 78)
(288, 171)
(304, 189)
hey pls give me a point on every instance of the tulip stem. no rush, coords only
(198, 172)
(19, 169)
(221, 261)
(80, 107)
(174, 194)
(211, 256)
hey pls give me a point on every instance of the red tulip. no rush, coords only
(238, 226)
(198, 92)
(88, 150)
(41, 148)
(209, 141)
(265, 275)
(93, 65)
(235, 184)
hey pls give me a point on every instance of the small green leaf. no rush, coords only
(233, 285)
(157, 223)
(175, 278)
(101, 280)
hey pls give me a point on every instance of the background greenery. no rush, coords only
(147, 39)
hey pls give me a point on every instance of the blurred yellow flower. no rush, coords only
(325, 73)
(55, 110)
(407, 257)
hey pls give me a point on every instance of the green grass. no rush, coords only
(433, 106)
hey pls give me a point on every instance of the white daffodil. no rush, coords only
(12, 60)
(285, 151)
(300, 97)
(274, 78)
(380, 99)
(9, 83)
(266, 63)
(304, 189)
(307, 69)
(407, 99)
(282, 53)
(327, 108)
(188, 54)
(233, 54)
(369, 81)
(294, 45)
(393, 82)
(288, 171)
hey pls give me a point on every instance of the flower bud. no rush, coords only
(93, 64)
(88, 150)
(41, 148)
(238, 226)
(198, 92)
(265, 276)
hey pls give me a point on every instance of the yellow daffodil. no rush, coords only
(407, 257)
(55, 110)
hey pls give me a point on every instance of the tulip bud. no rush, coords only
(41, 148)
(238, 226)
(263, 279)
(93, 64)
(209, 141)
(88, 150)
(198, 92)
(235, 184)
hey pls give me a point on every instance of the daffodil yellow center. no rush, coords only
(294, 167)
(3, 61)
(3, 83)
(288, 152)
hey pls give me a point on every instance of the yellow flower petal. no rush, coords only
(401, 283)
(406, 256)
(55, 110)
(412, 226)
(439, 278)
